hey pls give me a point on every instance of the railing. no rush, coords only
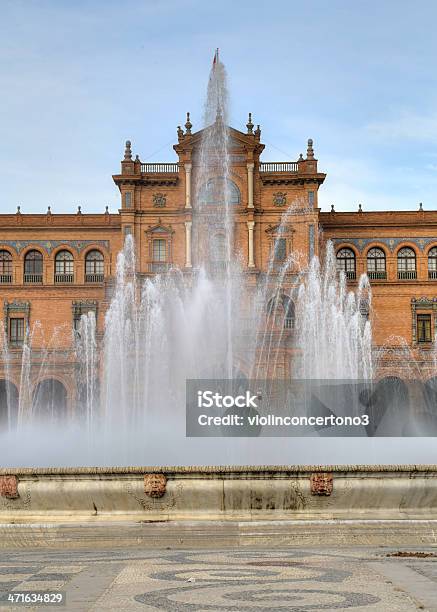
(5, 278)
(94, 278)
(159, 267)
(377, 275)
(33, 278)
(351, 274)
(278, 167)
(64, 278)
(407, 274)
(160, 168)
(432, 274)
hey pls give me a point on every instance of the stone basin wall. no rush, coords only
(358, 492)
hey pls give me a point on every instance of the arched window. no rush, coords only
(432, 263)
(376, 263)
(406, 264)
(218, 191)
(281, 308)
(5, 267)
(64, 267)
(94, 267)
(33, 267)
(346, 263)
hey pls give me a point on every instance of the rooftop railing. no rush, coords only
(160, 168)
(278, 167)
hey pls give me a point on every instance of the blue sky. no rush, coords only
(79, 78)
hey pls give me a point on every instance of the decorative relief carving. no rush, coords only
(321, 483)
(390, 243)
(279, 198)
(9, 487)
(159, 200)
(49, 245)
(155, 485)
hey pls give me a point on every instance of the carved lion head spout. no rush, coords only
(9, 487)
(155, 485)
(321, 483)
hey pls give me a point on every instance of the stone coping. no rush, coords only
(213, 470)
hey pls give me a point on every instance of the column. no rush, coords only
(188, 244)
(250, 226)
(250, 167)
(188, 185)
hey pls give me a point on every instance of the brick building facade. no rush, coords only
(54, 267)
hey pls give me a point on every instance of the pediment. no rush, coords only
(280, 228)
(238, 141)
(159, 228)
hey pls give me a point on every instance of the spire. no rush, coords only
(249, 124)
(310, 150)
(188, 124)
(127, 151)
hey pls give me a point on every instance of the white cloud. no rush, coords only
(407, 125)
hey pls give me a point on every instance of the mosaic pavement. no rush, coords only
(238, 580)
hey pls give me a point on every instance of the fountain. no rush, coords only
(210, 324)
(297, 322)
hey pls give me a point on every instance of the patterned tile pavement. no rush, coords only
(240, 580)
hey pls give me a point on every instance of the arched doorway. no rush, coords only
(50, 400)
(8, 404)
(281, 311)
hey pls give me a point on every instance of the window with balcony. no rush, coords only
(94, 267)
(424, 333)
(5, 267)
(64, 267)
(33, 267)
(346, 263)
(16, 330)
(407, 264)
(159, 256)
(432, 264)
(281, 311)
(376, 268)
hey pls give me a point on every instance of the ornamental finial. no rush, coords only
(310, 150)
(188, 124)
(249, 124)
(127, 151)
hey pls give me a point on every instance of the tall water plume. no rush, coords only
(332, 323)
